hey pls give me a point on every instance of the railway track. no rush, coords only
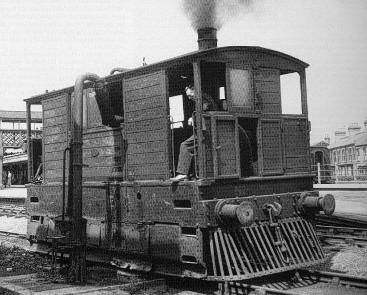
(300, 282)
(291, 283)
(12, 210)
(15, 235)
(340, 234)
(342, 221)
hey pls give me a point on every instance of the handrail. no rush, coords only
(67, 149)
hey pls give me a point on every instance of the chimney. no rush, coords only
(339, 134)
(327, 139)
(207, 38)
(365, 125)
(354, 128)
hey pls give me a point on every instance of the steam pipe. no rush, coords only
(120, 70)
(78, 235)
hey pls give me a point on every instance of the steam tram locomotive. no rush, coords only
(247, 210)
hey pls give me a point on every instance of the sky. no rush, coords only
(45, 45)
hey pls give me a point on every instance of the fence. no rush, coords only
(330, 174)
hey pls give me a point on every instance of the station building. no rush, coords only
(13, 147)
(320, 154)
(348, 154)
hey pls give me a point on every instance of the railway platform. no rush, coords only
(16, 194)
(351, 204)
(341, 186)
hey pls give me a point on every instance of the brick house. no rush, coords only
(348, 154)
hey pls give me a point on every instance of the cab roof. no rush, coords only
(186, 58)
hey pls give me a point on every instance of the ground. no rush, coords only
(351, 203)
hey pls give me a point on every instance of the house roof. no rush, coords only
(357, 139)
(321, 143)
(19, 116)
(362, 140)
(17, 158)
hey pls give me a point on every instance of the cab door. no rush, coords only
(221, 145)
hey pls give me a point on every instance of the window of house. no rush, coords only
(343, 155)
(350, 154)
(290, 93)
(364, 153)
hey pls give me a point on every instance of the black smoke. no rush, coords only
(214, 13)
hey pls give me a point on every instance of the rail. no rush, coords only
(342, 221)
(288, 284)
(12, 210)
(347, 235)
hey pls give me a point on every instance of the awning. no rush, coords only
(15, 159)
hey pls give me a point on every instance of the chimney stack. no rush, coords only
(365, 125)
(339, 134)
(327, 139)
(207, 38)
(353, 128)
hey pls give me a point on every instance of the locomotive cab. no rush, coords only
(233, 140)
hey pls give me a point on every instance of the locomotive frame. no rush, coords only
(249, 212)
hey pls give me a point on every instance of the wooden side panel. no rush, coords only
(146, 127)
(296, 145)
(267, 85)
(102, 154)
(102, 146)
(55, 136)
(271, 147)
(226, 148)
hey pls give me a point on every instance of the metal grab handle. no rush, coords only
(173, 145)
(281, 246)
(63, 181)
(195, 138)
(279, 242)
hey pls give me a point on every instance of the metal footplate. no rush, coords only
(261, 249)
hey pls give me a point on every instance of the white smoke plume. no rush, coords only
(214, 13)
